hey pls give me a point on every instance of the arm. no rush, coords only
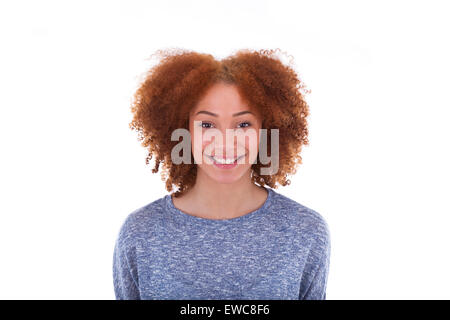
(314, 281)
(125, 283)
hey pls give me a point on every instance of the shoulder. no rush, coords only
(141, 222)
(306, 223)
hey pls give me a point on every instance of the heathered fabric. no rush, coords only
(279, 251)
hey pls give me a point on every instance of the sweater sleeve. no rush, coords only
(314, 281)
(124, 271)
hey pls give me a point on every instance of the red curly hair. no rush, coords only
(172, 88)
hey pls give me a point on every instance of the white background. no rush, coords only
(376, 168)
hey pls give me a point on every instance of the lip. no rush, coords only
(225, 166)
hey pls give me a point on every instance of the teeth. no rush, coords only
(226, 161)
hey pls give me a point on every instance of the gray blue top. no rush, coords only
(279, 251)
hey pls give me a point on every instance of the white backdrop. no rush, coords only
(376, 168)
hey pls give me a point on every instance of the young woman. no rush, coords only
(225, 233)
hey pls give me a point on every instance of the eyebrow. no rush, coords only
(215, 115)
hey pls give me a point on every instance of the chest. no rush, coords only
(221, 265)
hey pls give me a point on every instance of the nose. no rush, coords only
(234, 147)
(228, 153)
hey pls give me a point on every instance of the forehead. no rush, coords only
(222, 99)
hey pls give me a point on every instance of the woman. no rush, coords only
(225, 233)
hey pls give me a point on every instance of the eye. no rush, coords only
(210, 125)
(247, 124)
(206, 124)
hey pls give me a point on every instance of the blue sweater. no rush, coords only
(279, 251)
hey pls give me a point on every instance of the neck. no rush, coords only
(223, 200)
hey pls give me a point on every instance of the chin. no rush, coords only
(225, 177)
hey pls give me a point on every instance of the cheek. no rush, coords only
(204, 144)
(198, 142)
(252, 141)
(252, 145)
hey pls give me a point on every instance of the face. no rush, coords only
(220, 112)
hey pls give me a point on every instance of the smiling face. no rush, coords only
(221, 111)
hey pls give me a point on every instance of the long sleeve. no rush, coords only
(124, 275)
(279, 251)
(314, 282)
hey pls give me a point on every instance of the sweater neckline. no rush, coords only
(185, 218)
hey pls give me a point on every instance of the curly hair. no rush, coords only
(171, 88)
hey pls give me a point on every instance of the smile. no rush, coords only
(225, 161)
